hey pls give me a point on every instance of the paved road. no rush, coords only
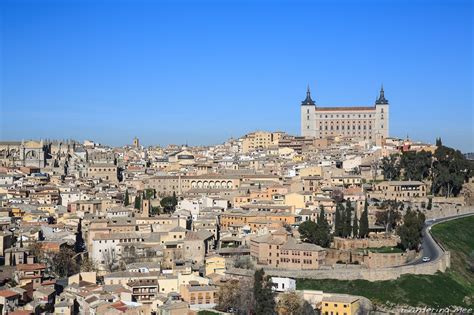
(429, 247)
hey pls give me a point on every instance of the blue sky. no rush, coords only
(203, 71)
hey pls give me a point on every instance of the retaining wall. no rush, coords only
(354, 272)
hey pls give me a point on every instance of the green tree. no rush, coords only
(390, 167)
(355, 226)
(79, 245)
(169, 203)
(430, 204)
(307, 231)
(410, 231)
(138, 202)
(342, 228)
(323, 230)
(316, 232)
(175, 199)
(364, 222)
(338, 224)
(155, 210)
(416, 165)
(347, 228)
(450, 171)
(126, 201)
(149, 193)
(264, 296)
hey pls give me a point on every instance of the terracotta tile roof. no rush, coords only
(340, 298)
(31, 277)
(50, 246)
(8, 293)
(120, 306)
(291, 244)
(30, 267)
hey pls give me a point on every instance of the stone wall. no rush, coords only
(381, 260)
(446, 209)
(374, 242)
(355, 272)
(358, 272)
(468, 192)
(367, 258)
(334, 255)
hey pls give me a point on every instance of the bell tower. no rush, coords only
(136, 143)
(381, 118)
(145, 208)
(308, 116)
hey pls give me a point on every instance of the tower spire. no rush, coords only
(381, 99)
(308, 100)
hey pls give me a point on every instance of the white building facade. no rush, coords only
(283, 284)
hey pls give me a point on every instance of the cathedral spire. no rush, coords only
(381, 99)
(308, 100)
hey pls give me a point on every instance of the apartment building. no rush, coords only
(255, 219)
(338, 304)
(300, 256)
(103, 171)
(260, 140)
(144, 290)
(280, 250)
(30, 273)
(197, 295)
(346, 180)
(104, 246)
(400, 190)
